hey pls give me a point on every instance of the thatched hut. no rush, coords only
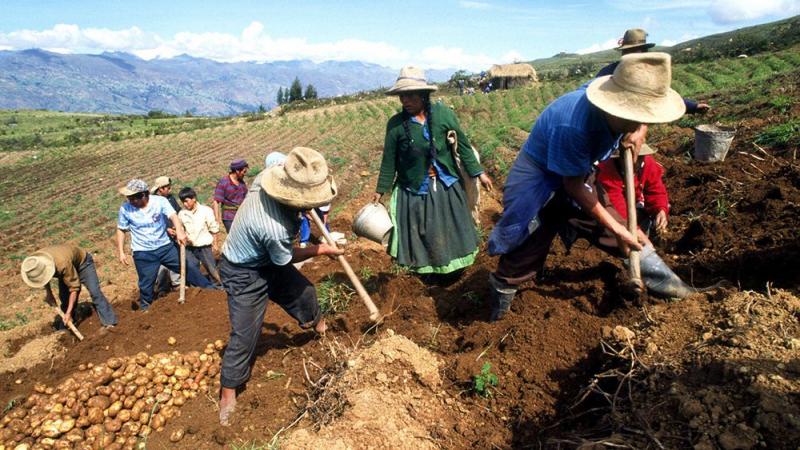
(505, 76)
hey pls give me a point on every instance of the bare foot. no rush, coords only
(321, 327)
(227, 404)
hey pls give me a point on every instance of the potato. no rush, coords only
(140, 391)
(22, 447)
(50, 428)
(113, 409)
(124, 415)
(48, 442)
(112, 425)
(95, 415)
(141, 381)
(40, 388)
(114, 363)
(141, 358)
(169, 369)
(99, 401)
(144, 417)
(104, 390)
(182, 373)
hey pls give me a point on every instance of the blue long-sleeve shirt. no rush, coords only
(691, 105)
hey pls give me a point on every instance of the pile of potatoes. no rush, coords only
(114, 405)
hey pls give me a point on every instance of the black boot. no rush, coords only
(660, 279)
(501, 295)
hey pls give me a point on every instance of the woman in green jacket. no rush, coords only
(433, 230)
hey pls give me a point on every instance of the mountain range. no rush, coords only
(126, 84)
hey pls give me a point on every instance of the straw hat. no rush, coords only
(133, 187)
(639, 90)
(634, 38)
(38, 270)
(411, 79)
(302, 181)
(644, 151)
(159, 183)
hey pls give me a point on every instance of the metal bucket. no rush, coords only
(373, 222)
(711, 142)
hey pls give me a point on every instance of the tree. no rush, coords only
(280, 96)
(296, 91)
(311, 92)
(286, 96)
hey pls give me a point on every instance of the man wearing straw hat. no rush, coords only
(255, 264)
(635, 41)
(549, 176)
(146, 218)
(71, 266)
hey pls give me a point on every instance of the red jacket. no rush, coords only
(651, 194)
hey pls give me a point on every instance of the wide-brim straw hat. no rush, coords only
(644, 151)
(411, 79)
(639, 90)
(635, 38)
(37, 270)
(133, 187)
(302, 182)
(159, 183)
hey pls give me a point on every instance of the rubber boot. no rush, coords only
(659, 278)
(501, 295)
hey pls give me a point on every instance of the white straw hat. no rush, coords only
(37, 270)
(302, 181)
(411, 79)
(159, 183)
(639, 90)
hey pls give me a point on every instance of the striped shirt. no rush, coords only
(230, 196)
(262, 232)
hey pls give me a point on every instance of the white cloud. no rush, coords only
(685, 37)
(729, 11)
(474, 5)
(596, 47)
(252, 44)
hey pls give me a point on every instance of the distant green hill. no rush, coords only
(768, 37)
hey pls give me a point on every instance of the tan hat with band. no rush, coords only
(411, 79)
(644, 151)
(38, 269)
(159, 183)
(639, 90)
(634, 38)
(302, 181)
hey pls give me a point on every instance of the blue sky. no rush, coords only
(434, 34)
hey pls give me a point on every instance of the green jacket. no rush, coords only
(410, 161)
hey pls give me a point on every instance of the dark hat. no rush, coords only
(238, 164)
(634, 38)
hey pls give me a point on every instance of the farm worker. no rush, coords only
(163, 187)
(635, 41)
(549, 175)
(71, 266)
(305, 223)
(201, 231)
(652, 200)
(145, 218)
(230, 192)
(255, 264)
(433, 231)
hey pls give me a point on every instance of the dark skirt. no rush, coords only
(433, 233)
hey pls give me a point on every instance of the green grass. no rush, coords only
(18, 320)
(334, 296)
(781, 136)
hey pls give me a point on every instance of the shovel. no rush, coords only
(182, 292)
(374, 314)
(69, 324)
(630, 200)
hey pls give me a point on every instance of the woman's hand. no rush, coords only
(486, 181)
(376, 197)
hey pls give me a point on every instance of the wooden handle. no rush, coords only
(69, 324)
(374, 314)
(182, 294)
(630, 199)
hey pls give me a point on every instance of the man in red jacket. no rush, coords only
(652, 201)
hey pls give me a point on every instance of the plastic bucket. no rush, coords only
(711, 142)
(373, 222)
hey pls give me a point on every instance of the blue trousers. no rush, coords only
(147, 264)
(88, 275)
(305, 226)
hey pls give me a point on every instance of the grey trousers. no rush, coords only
(205, 256)
(248, 289)
(88, 275)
